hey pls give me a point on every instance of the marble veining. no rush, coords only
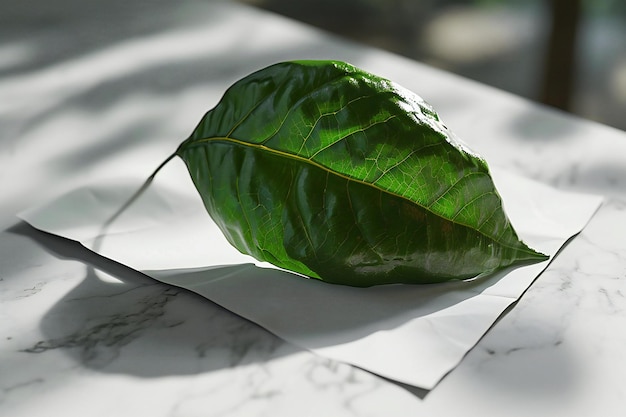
(101, 338)
(559, 348)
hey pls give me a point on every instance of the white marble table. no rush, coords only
(82, 335)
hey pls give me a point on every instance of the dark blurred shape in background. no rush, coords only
(569, 54)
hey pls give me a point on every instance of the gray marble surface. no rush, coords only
(83, 335)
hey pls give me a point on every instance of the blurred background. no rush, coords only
(569, 54)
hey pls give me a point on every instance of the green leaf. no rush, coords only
(334, 173)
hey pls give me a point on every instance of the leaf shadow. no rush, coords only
(314, 314)
(141, 327)
(128, 323)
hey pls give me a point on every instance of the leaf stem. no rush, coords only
(100, 237)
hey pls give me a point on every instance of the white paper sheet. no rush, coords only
(411, 334)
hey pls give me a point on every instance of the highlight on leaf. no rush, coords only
(334, 173)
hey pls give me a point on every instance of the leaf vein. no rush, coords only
(298, 103)
(403, 160)
(451, 187)
(360, 130)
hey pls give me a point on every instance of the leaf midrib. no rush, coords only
(298, 158)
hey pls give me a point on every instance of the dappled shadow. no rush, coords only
(67, 29)
(91, 92)
(606, 178)
(543, 125)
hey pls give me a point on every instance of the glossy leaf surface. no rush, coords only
(331, 172)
